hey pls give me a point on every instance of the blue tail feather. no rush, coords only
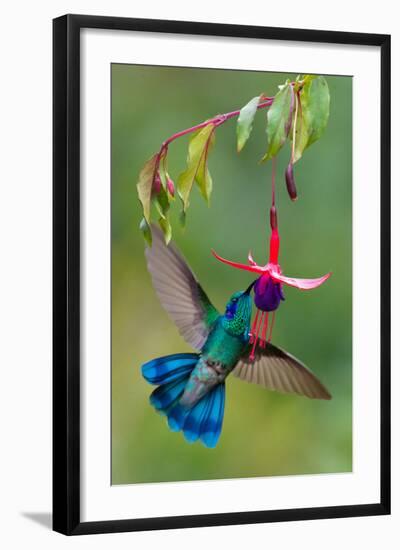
(196, 417)
(212, 426)
(164, 396)
(165, 369)
(176, 417)
(202, 421)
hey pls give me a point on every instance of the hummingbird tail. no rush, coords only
(169, 368)
(203, 420)
(170, 374)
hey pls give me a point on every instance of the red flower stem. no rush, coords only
(216, 121)
(274, 239)
(273, 180)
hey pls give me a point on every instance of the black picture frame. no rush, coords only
(66, 273)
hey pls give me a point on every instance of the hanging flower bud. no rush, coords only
(290, 183)
(157, 184)
(171, 187)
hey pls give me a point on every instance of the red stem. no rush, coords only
(273, 180)
(274, 239)
(216, 121)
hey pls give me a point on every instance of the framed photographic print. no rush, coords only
(221, 274)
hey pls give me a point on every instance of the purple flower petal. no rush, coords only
(268, 294)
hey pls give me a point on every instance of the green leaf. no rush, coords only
(166, 229)
(162, 202)
(315, 101)
(300, 133)
(245, 122)
(163, 174)
(277, 119)
(146, 230)
(195, 152)
(204, 180)
(182, 219)
(203, 177)
(144, 185)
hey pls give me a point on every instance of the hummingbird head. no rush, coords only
(238, 312)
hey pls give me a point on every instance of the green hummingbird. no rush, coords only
(191, 386)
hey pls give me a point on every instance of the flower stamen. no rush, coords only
(264, 331)
(272, 326)
(255, 335)
(253, 331)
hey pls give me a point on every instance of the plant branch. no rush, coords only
(216, 121)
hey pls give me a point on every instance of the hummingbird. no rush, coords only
(191, 386)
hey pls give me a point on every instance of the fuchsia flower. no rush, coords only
(268, 287)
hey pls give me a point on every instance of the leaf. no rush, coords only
(204, 180)
(300, 133)
(203, 177)
(244, 124)
(146, 230)
(162, 202)
(196, 148)
(315, 100)
(144, 185)
(182, 219)
(277, 119)
(163, 173)
(166, 229)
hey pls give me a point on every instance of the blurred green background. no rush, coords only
(264, 433)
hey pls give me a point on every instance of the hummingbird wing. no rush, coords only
(179, 291)
(277, 370)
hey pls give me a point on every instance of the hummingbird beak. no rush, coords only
(248, 290)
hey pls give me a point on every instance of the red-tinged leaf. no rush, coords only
(195, 152)
(277, 121)
(144, 185)
(163, 169)
(203, 177)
